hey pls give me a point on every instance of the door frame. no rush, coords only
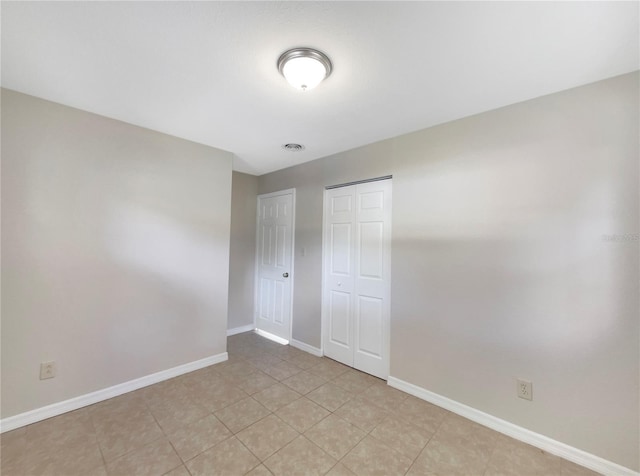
(292, 192)
(322, 283)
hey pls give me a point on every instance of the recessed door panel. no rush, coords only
(280, 245)
(341, 248)
(369, 325)
(341, 204)
(281, 209)
(339, 316)
(265, 299)
(372, 200)
(371, 250)
(265, 244)
(278, 302)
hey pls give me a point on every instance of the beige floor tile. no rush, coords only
(300, 457)
(241, 414)
(571, 469)
(415, 470)
(269, 346)
(264, 361)
(355, 381)
(260, 471)
(276, 396)
(361, 413)
(459, 447)
(97, 471)
(155, 458)
(456, 426)
(66, 469)
(172, 413)
(371, 457)
(68, 429)
(232, 359)
(248, 349)
(340, 470)
(13, 446)
(13, 437)
(330, 396)
(385, 396)
(228, 458)
(256, 382)
(285, 352)
(119, 437)
(127, 406)
(179, 471)
(304, 382)
(402, 436)
(328, 369)
(77, 459)
(335, 436)
(267, 436)
(169, 389)
(192, 439)
(305, 361)
(237, 369)
(450, 457)
(513, 457)
(472, 435)
(302, 414)
(13, 467)
(220, 396)
(283, 370)
(201, 377)
(206, 382)
(420, 413)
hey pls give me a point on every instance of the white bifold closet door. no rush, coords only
(356, 276)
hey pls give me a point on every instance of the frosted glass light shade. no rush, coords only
(304, 68)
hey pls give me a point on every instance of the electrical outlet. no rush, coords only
(525, 389)
(47, 370)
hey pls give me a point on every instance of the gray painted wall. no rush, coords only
(113, 238)
(501, 262)
(242, 253)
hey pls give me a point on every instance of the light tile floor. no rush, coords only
(269, 410)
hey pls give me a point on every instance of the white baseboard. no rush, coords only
(306, 347)
(55, 409)
(240, 330)
(549, 445)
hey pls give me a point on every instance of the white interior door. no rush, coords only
(275, 263)
(356, 284)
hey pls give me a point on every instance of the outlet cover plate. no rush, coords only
(47, 370)
(525, 389)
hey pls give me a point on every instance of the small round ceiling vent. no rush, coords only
(293, 147)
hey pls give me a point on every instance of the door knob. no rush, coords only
(285, 275)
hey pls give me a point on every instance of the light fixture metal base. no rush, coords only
(305, 53)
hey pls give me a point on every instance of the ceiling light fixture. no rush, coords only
(304, 68)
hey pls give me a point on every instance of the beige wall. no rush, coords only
(113, 238)
(243, 249)
(499, 265)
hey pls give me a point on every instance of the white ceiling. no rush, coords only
(206, 71)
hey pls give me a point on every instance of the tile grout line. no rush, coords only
(95, 431)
